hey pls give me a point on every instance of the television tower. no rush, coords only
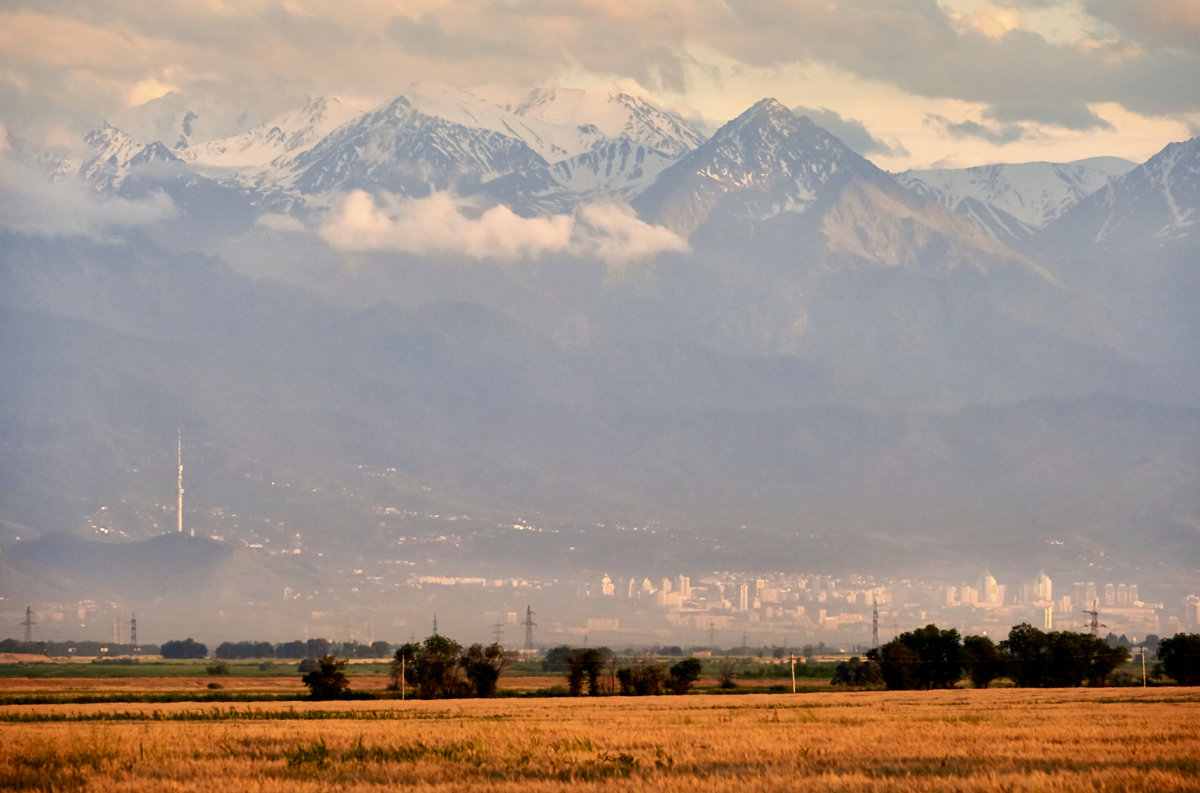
(179, 530)
(874, 621)
(29, 622)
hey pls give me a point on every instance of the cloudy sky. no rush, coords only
(916, 82)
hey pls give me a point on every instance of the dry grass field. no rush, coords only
(1012, 740)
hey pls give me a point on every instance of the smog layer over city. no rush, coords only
(689, 325)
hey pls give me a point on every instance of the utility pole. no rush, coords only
(499, 628)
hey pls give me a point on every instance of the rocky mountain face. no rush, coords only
(831, 348)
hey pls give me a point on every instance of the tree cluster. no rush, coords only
(439, 668)
(932, 658)
(1179, 658)
(857, 673)
(1058, 659)
(328, 679)
(185, 648)
(302, 648)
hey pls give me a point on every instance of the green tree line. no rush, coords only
(930, 657)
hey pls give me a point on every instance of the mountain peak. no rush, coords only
(766, 162)
(765, 112)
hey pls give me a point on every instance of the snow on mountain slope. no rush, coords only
(615, 115)
(1012, 201)
(423, 141)
(1154, 204)
(116, 154)
(764, 163)
(276, 142)
(551, 140)
(617, 169)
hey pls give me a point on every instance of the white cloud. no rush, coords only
(31, 203)
(613, 234)
(446, 225)
(278, 222)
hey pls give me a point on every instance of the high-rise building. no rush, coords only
(607, 589)
(1045, 589)
(989, 590)
(744, 597)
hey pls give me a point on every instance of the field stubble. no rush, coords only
(1017, 740)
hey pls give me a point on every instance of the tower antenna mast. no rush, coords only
(179, 511)
(874, 621)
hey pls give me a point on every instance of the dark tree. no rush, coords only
(483, 667)
(857, 673)
(434, 669)
(982, 659)
(328, 680)
(924, 658)
(188, 648)
(1059, 659)
(1179, 658)
(725, 671)
(584, 664)
(643, 678)
(380, 649)
(1025, 653)
(683, 675)
(556, 659)
(294, 649)
(898, 664)
(401, 661)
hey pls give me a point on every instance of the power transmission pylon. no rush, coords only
(529, 623)
(1094, 623)
(29, 622)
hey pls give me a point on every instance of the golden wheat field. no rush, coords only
(1013, 740)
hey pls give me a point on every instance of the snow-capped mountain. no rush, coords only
(784, 175)
(116, 155)
(616, 115)
(409, 148)
(764, 163)
(1155, 205)
(1014, 201)
(272, 146)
